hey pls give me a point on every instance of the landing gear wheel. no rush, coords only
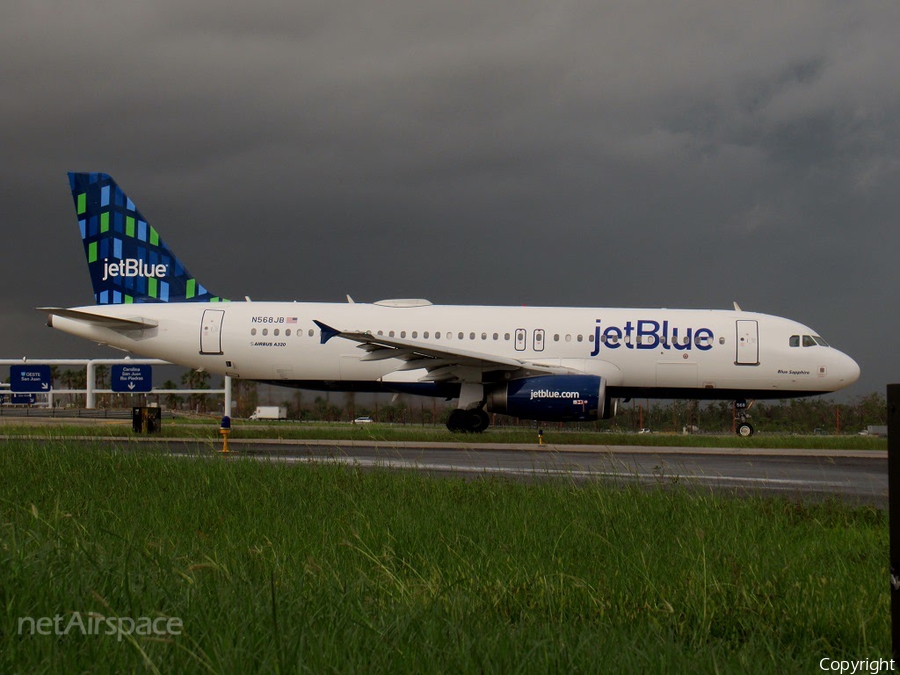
(468, 421)
(745, 429)
(457, 421)
(479, 421)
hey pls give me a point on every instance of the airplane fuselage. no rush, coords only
(655, 353)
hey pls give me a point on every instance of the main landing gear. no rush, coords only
(742, 426)
(468, 421)
(470, 416)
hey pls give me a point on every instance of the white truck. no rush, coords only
(269, 412)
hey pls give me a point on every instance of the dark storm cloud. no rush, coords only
(577, 154)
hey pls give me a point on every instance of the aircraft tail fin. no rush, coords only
(128, 261)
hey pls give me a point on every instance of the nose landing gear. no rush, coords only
(741, 425)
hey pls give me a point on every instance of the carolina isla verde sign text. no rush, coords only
(131, 379)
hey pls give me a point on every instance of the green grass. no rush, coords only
(209, 429)
(319, 568)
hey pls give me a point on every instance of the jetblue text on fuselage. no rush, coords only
(132, 267)
(650, 334)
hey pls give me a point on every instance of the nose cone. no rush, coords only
(845, 371)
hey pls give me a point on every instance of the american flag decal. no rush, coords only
(292, 319)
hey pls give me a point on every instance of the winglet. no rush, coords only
(327, 331)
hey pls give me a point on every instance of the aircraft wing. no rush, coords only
(443, 362)
(101, 320)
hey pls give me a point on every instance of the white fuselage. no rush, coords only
(703, 354)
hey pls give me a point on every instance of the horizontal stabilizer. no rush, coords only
(113, 322)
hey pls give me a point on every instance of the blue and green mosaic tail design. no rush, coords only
(127, 259)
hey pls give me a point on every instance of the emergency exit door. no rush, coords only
(520, 339)
(747, 343)
(538, 340)
(211, 331)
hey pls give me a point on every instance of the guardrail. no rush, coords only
(92, 413)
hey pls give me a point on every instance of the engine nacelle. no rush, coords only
(611, 409)
(552, 398)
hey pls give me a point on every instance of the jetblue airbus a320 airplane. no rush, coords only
(542, 363)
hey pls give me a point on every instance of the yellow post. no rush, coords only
(540, 436)
(225, 429)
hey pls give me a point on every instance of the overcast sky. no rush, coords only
(622, 153)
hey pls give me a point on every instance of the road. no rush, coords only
(853, 475)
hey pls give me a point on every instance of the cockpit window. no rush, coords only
(808, 341)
